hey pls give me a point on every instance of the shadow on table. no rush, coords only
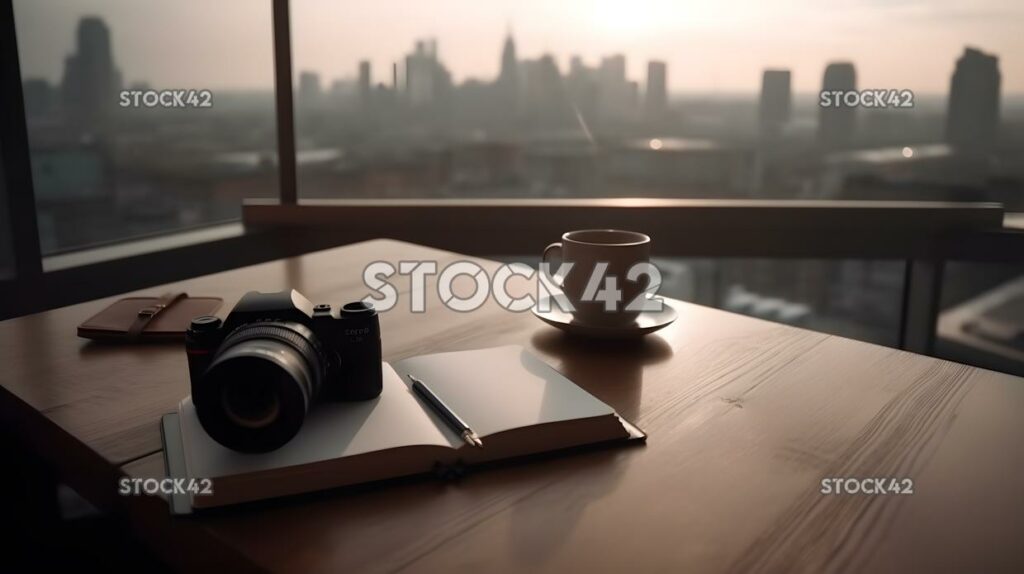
(610, 370)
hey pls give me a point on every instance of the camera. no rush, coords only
(255, 375)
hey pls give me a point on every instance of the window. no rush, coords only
(731, 100)
(144, 116)
(982, 316)
(147, 117)
(859, 299)
(659, 99)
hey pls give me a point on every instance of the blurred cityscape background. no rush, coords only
(539, 124)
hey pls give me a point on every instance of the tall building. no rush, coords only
(507, 84)
(309, 88)
(837, 124)
(577, 67)
(582, 90)
(614, 93)
(509, 74)
(365, 83)
(426, 80)
(545, 101)
(656, 97)
(972, 118)
(613, 68)
(91, 80)
(776, 102)
(39, 98)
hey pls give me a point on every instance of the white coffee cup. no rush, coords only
(586, 249)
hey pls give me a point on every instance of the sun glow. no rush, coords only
(624, 18)
(618, 18)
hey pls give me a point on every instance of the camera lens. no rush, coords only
(251, 398)
(259, 386)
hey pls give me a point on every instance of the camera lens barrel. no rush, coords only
(256, 374)
(259, 385)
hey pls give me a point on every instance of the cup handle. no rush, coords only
(553, 250)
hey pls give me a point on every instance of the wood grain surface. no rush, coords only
(744, 417)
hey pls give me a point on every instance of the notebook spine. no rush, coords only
(450, 471)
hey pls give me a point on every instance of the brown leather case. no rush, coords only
(143, 319)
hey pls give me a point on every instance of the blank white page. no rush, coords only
(502, 388)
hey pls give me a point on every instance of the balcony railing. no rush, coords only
(925, 235)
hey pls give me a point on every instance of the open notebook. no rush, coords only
(516, 403)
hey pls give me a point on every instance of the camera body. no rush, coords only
(256, 374)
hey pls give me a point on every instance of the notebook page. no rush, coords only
(502, 388)
(331, 430)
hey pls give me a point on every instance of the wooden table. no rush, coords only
(745, 419)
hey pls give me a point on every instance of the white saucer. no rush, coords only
(646, 322)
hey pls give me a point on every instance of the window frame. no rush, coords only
(39, 282)
(15, 165)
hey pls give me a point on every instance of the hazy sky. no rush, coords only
(716, 45)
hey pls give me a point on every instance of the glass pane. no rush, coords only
(859, 299)
(145, 116)
(982, 318)
(732, 99)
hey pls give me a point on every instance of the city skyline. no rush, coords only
(532, 130)
(534, 93)
(471, 48)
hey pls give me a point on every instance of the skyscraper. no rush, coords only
(545, 101)
(309, 88)
(581, 87)
(365, 83)
(657, 90)
(508, 85)
(972, 118)
(39, 98)
(632, 94)
(91, 81)
(509, 73)
(613, 90)
(425, 78)
(837, 124)
(776, 97)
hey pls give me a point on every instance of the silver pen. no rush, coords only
(445, 412)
